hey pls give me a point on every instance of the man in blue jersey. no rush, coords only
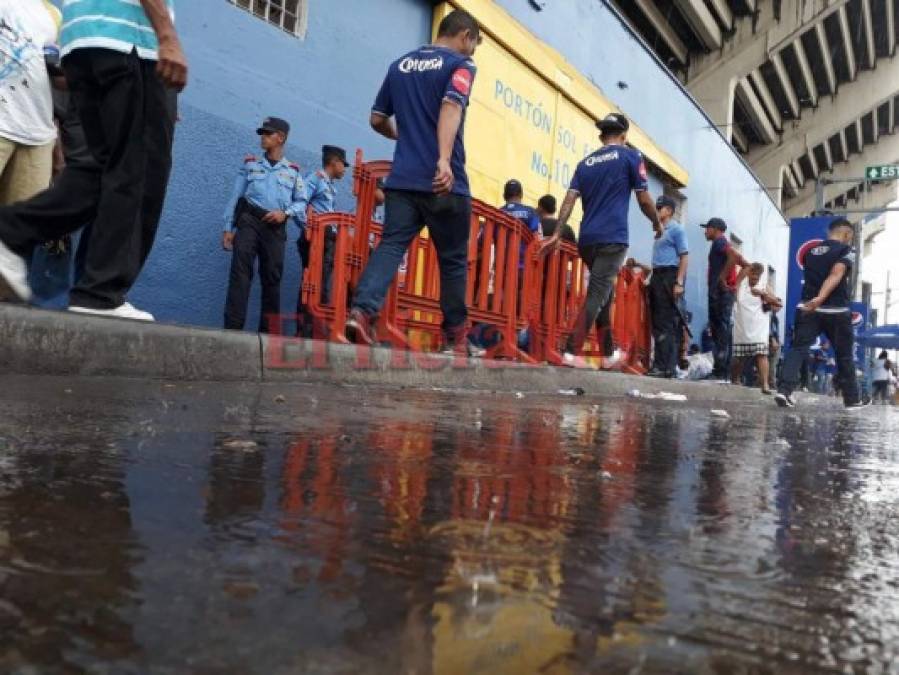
(122, 60)
(826, 294)
(604, 181)
(427, 92)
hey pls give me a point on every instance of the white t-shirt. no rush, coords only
(752, 325)
(881, 372)
(26, 103)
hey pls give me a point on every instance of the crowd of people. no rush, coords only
(118, 71)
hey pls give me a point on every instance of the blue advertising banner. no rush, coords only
(805, 234)
(861, 314)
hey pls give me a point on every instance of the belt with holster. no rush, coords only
(246, 208)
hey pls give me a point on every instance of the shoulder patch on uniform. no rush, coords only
(320, 174)
(294, 166)
(250, 158)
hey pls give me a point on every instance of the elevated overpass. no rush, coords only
(802, 88)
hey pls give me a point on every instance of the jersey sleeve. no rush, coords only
(848, 258)
(638, 173)
(458, 88)
(384, 101)
(534, 224)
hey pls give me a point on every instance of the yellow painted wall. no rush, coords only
(532, 115)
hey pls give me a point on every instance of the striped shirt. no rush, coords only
(120, 25)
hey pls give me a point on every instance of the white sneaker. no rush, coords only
(124, 311)
(13, 277)
(573, 361)
(614, 360)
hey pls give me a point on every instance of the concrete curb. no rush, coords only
(40, 342)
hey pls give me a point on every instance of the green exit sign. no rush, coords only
(886, 172)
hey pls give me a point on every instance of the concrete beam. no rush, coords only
(701, 20)
(868, 24)
(875, 126)
(739, 138)
(806, 72)
(791, 182)
(755, 111)
(846, 32)
(885, 152)
(827, 56)
(767, 100)
(797, 172)
(756, 41)
(828, 154)
(891, 28)
(859, 134)
(856, 98)
(891, 115)
(816, 171)
(880, 196)
(660, 23)
(786, 84)
(844, 145)
(724, 13)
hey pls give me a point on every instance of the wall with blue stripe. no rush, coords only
(243, 69)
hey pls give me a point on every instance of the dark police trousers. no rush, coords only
(266, 241)
(721, 311)
(604, 262)
(128, 119)
(666, 328)
(838, 329)
(449, 223)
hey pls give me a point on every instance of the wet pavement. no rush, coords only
(154, 528)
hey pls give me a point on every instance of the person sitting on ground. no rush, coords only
(752, 326)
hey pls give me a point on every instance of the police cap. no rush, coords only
(665, 200)
(613, 122)
(273, 125)
(331, 151)
(715, 224)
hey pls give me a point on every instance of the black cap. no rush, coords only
(715, 223)
(274, 124)
(513, 187)
(665, 200)
(329, 151)
(613, 122)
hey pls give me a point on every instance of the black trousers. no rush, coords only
(838, 330)
(255, 239)
(129, 121)
(721, 313)
(666, 328)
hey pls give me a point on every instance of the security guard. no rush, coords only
(321, 195)
(267, 193)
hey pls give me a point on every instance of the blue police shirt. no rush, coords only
(321, 194)
(668, 249)
(526, 215)
(273, 188)
(414, 90)
(605, 180)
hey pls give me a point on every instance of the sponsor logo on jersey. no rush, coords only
(462, 81)
(413, 65)
(805, 249)
(599, 159)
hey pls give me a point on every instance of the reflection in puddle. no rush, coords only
(344, 531)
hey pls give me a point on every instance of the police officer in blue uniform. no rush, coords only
(268, 192)
(604, 180)
(427, 91)
(321, 196)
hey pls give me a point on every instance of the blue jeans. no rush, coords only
(448, 219)
(721, 310)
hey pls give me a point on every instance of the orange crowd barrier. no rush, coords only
(514, 283)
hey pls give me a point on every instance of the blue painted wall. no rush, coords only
(243, 69)
(591, 37)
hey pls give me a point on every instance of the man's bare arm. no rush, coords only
(830, 283)
(447, 127)
(172, 65)
(648, 207)
(383, 125)
(734, 258)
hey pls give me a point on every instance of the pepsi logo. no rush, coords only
(857, 318)
(804, 251)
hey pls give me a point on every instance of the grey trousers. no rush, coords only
(604, 262)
